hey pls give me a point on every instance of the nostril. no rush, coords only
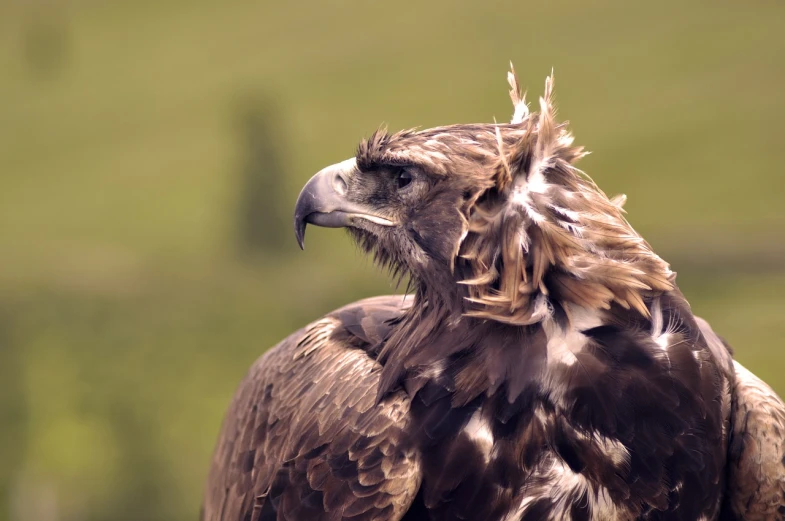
(339, 184)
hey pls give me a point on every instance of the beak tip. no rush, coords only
(299, 232)
(320, 204)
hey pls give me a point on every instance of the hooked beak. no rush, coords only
(323, 202)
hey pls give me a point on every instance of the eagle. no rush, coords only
(543, 366)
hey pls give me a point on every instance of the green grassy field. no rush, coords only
(127, 313)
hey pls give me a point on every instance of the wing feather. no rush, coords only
(756, 459)
(756, 454)
(304, 438)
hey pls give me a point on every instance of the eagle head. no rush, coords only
(492, 219)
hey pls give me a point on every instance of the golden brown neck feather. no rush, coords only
(546, 235)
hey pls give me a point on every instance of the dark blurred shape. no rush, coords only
(13, 413)
(262, 223)
(45, 41)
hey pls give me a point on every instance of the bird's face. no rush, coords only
(405, 204)
(495, 214)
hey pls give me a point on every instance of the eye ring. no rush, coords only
(403, 178)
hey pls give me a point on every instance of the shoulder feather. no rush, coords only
(304, 437)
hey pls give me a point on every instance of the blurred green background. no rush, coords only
(151, 153)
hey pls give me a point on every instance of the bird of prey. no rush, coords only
(545, 367)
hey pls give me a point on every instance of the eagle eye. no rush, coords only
(403, 178)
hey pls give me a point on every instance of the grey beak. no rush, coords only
(323, 201)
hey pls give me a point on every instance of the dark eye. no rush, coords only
(403, 178)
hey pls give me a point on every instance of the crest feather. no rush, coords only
(550, 235)
(520, 107)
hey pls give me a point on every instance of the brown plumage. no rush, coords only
(546, 367)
